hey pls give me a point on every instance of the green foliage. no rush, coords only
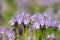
(8, 14)
(9, 1)
(33, 8)
(56, 6)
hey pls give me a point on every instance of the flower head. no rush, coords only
(47, 20)
(12, 21)
(20, 17)
(25, 18)
(10, 35)
(2, 30)
(34, 17)
(36, 25)
(48, 23)
(30, 37)
(50, 37)
(55, 24)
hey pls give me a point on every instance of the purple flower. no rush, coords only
(50, 37)
(59, 25)
(26, 18)
(30, 37)
(13, 30)
(20, 17)
(23, 17)
(42, 22)
(34, 17)
(55, 23)
(2, 30)
(41, 19)
(47, 20)
(12, 21)
(10, 35)
(46, 17)
(48, 23)
(36, 25)
(31, 28)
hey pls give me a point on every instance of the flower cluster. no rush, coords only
(35, 20)
(25, 18)
(6, 34)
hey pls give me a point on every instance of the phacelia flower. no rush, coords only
(36, 25)
(47, 20)
(34, 17)
(50, 37)
(48, 23)
(2, 30)
(12, 21)
(30, 37)
(55, 24)
(13, 30)
(59, 25)
(20, 17)
(26, 18)
(10, 35)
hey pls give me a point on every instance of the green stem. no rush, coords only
(26, 33)
(38, 35)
